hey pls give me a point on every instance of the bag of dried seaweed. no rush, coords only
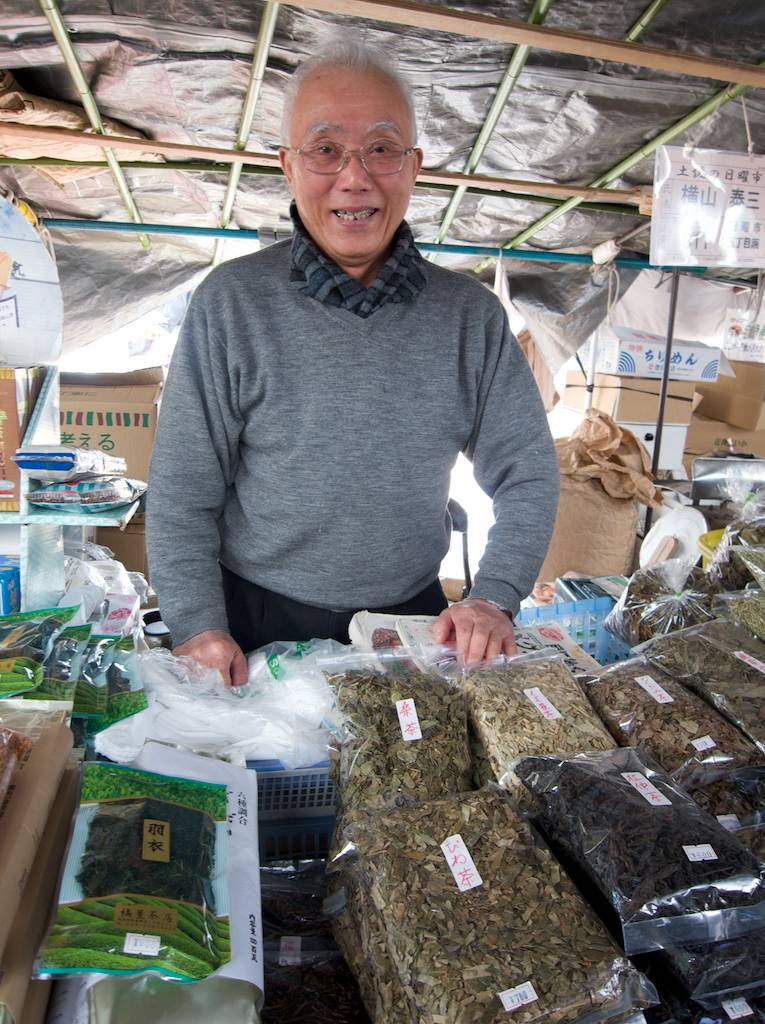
(529, 705)
(724, 664)
(25, 642)
(661, 599)
(401, 737)
(307, 979)
(745, 608)
(670, 872)
(480, 920)
(292, 895)
(643, 706)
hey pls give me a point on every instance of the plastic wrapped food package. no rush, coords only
(711, 973)
(66, 462)
(745, 608)
(530, 705)
(643, 706)
(307, 979)
(25, 642)
(754, 560)
(402, 736)
(735, 796)
(724, 664)
(61, 668)
(99, 495)
(480, 919)
(292, 896)
(138, 999)
(728, 569)
(661, 599)
(670, 872)
(91, 696)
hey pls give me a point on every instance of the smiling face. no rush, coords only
(352, 216)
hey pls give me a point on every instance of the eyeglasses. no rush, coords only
(331, 157)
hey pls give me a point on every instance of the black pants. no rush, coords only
(257, 616)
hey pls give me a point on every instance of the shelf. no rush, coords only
(40, 517)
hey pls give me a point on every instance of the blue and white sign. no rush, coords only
(631, 353)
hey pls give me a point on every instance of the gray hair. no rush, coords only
(344, 52)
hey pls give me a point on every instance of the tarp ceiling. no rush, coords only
(178, 72)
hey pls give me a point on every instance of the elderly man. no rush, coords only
(319, 395)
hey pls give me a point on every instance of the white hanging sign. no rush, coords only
(708, 208)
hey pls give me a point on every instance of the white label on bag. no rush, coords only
(704, 743)
(736, 1008)
(512, 998)
(545, 708)
(646, 789)
(142, 945)
(461, 863)
(702, 852)
(729, 821)
(749, 660)
(408, 720)
(289, 951)
(651, 687)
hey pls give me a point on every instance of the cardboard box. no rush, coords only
(33, 916)
(738, 400)
(23, 818)
(116, 412)
(19, 390)
(128, 545)
(631, 399)
(705, 435)
(631, 353)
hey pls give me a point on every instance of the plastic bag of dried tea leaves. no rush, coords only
(480, 919)
(401, 737)
(643, 706)
(307, 979)
(724, 664)
(747, 530)
(735, 796)
(143, 887)
(753, 558)
(292, 895)
(714, 972)
(92, 692)
(661, 599)
(744, 608)
(530, 705)
(61, 668)
(25, 642)
(670, 871)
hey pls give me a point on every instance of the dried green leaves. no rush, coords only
(659, 600)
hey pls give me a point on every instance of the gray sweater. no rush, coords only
(309, 450)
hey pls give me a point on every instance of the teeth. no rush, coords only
(354, 214)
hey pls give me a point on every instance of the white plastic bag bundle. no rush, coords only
(280, 715)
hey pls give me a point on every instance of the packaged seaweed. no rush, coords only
(670, 872)
(25, 642)
(724, 664)
(661, 599)
(529, 705)
(144, 885)
(98, 495)
(479, 919)
(292, 896)
(306, 978)
(745, 608)
(643, 706)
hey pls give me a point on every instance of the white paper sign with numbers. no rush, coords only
(708, 208)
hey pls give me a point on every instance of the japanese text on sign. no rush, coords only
(651, 687)
(704, 743)
(461, 863)
(545, 707)
(646, 789)
(512, 998)
(408, 720)
(737, 1008)
(749, 660)
(159, 920)
(708, 208)
(156, 840)
(701, 852)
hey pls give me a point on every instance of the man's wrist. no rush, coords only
(494, 604)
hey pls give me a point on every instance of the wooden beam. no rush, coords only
(505, 30)
(174, 150)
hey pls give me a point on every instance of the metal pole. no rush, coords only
(664, 384)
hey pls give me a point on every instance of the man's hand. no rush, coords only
(482, 630)
(215, 648)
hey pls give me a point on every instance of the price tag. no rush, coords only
(704, 743)
(289, 951)
(512, 998)
(461, 863)
(408, 720)
(749, 660)
(736, 1008)
(651, 687)
(729, 821)
(702, 852)
(142, 945)
(647, 790)
(545, 707)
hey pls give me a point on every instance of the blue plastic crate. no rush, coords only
(583, 621)
(300, 793)
(295, 839)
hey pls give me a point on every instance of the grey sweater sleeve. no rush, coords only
(193, 464)
(515, 462)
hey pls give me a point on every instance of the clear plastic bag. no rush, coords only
(735, 796)
(745, 608)
(661, 599)
(26, 639)
(529, 705)
(724, 664)
(671, 873)
(61, 462)
(307, 979)
(292, 897)
(747, 529)
(643, 706)
(479, 918)
(149, 998)
(713, 973)
(99, 495)
(61, 668)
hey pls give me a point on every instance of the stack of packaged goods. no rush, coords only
(67, 479)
